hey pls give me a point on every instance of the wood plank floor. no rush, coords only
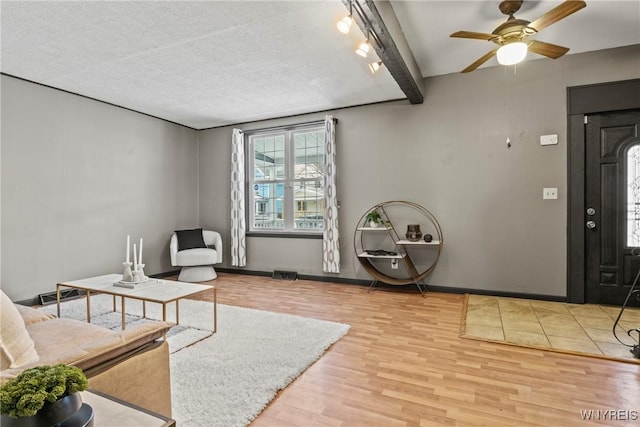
(403, 364)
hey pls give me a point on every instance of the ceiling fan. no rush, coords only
(511, 35)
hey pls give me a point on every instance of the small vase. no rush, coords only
(51, 414)
(413, 232)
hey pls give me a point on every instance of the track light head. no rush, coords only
(344, 25)
(363, 49)
(375, 66)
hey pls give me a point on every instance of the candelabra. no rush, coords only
(132, 276)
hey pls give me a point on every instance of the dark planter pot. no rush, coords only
(68, 411)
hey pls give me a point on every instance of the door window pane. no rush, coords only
(633, 196)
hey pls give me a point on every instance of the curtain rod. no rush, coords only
(274, 128)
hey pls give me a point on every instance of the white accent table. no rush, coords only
(154, 290)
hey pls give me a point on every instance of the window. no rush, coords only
(633, 196)
(286, 171)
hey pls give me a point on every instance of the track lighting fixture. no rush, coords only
(360, 17)
(375, 66)
(344, 25)
(363, 49)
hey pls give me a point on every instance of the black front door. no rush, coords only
(612, 205)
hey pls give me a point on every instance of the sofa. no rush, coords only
(132, 365)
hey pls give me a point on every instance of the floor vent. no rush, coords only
(50, 297)
(285, 275)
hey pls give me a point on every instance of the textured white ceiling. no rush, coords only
(207, 64)
(201, 64)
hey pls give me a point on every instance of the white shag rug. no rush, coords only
(227, 379)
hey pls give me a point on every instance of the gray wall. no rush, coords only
(77, 177)
(450, 155)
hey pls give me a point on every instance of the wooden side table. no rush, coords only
(111, 412)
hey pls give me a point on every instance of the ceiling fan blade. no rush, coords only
(472, 35)
(480, 61)
(547, 49)
(559, 12)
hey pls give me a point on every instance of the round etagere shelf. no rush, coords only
(395, 246)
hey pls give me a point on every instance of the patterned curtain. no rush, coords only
(330, 235)
(238, 226)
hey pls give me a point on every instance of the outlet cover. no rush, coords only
(549, 140)
(550, 193)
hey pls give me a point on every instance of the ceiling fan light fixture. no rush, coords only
(363, 49)
(512, 53)
(344, 25)
(375, 66)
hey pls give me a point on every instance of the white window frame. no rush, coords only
(289, 203)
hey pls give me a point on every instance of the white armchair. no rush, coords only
(197, 263)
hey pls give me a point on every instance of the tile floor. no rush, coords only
(584, 328)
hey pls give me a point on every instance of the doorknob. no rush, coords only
(591, 225)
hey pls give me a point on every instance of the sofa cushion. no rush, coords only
(199, 256)
(189, 239)
(31, 315)
(132, 338)
(16, 346)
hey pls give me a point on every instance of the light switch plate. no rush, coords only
(550, 193)
(549, 140)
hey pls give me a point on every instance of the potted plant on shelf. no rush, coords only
(44, 396)
(373, 218)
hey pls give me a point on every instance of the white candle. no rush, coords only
(128, 244)
(135, 258)
(140, 257)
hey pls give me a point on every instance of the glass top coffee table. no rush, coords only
(153, 290)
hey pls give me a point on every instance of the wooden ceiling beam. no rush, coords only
(366, 15)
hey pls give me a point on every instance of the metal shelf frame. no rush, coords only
(368, 261)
